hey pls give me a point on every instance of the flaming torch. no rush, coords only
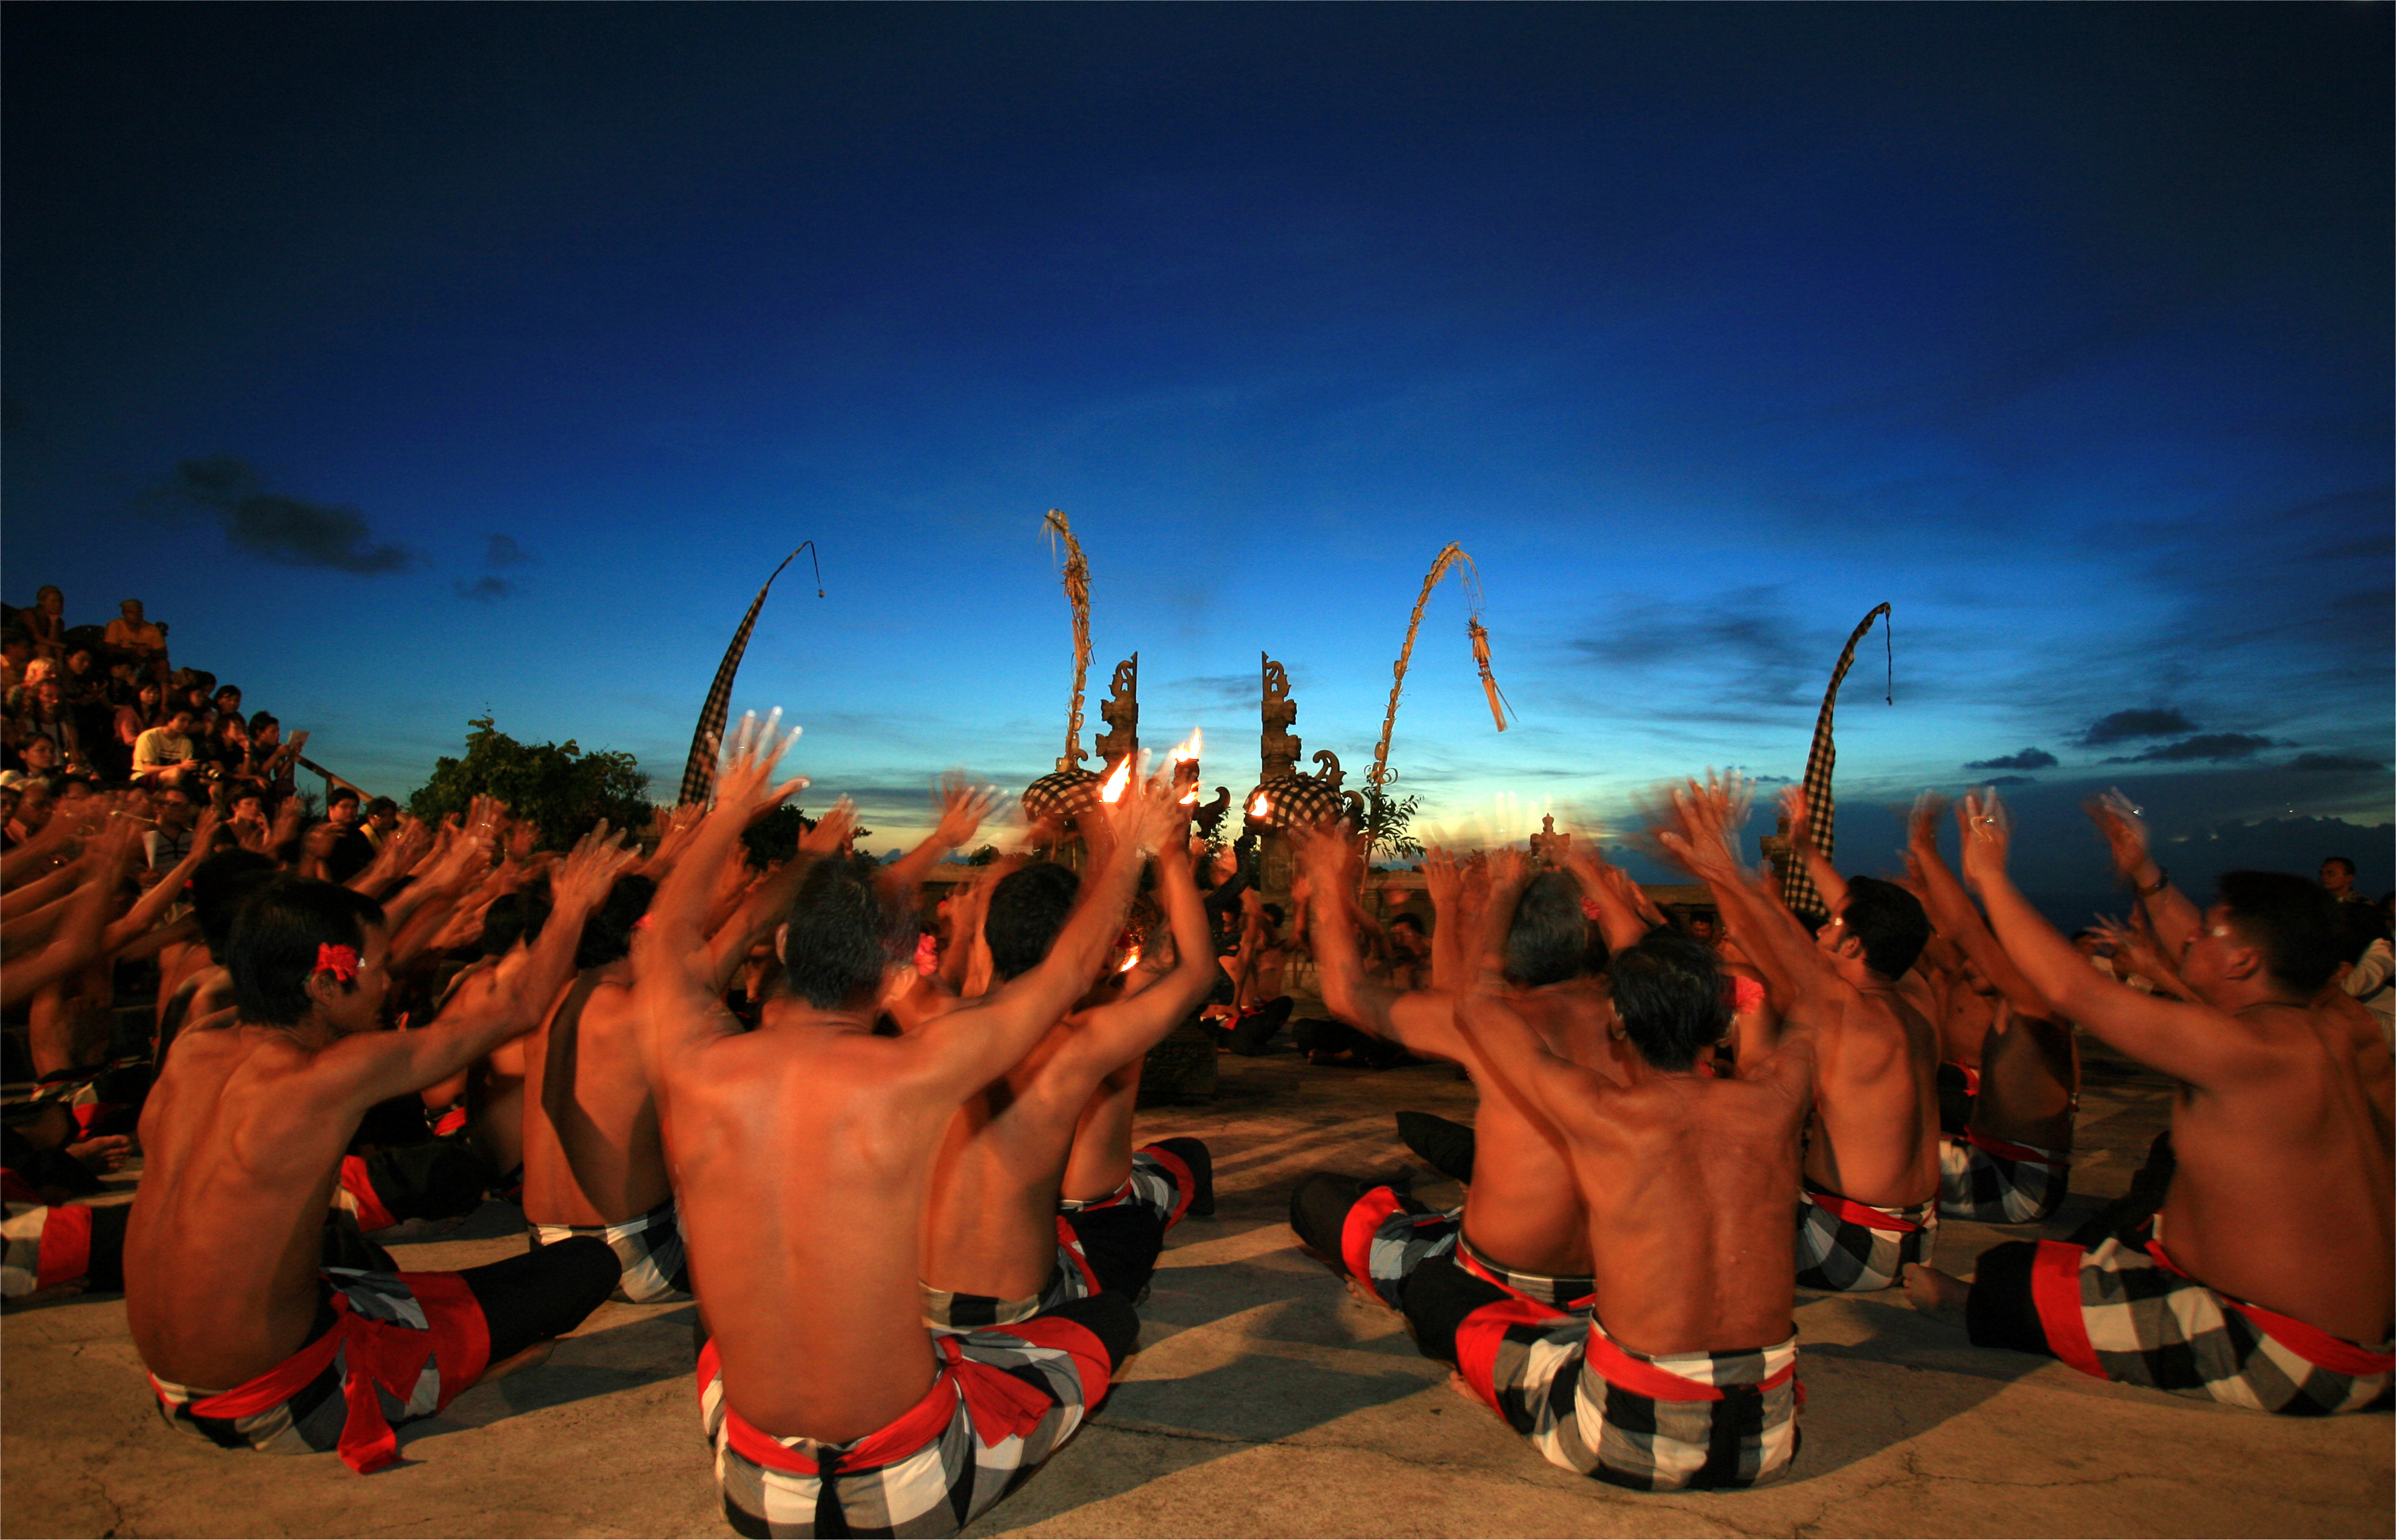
(1185, 765)
(1260, 808)
(1114, 789)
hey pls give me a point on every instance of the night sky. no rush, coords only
(418, 361)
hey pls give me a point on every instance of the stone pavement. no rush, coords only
(1265, 1401)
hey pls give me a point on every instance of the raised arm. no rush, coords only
(1704, 818)
(1499, 1043)
(372, 1067)
(1954, 917)
(975, 1045)
(2189, 1042)
(76, 940)
(1419, 1020)
(1826, 878)
(1115, 1034)
(1624, 915)
(2174, 918)
(162, 893)
(962, 808)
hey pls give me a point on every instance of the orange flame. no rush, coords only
(1114, 789)
(1190, 798)
(1130, 963)
(1187, 750)
(1260, 806)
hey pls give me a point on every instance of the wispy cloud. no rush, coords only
(2213, 747)
(2322, 763)
(2122, 727)
(2029, 759)
(275, 525)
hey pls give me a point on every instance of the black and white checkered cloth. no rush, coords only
(698, 771)
(1804, 899)
(2112, 1311)
(649, 1247)
(1654, 1422)
(1997, 1182)
(1070, 1278)
(1855, 1248)
(1004, 1399)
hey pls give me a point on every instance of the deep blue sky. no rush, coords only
(1705, 328)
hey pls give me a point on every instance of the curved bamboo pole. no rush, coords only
(1077, 592)
(1450, 555)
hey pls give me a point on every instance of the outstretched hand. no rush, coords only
(1988, 837)
(581, 882)
(1706, 818)
(2116, 819)
(830, 830)
(1327, 856)
(962, 808)
(1922, 825)
(744, 785)
(1441, 879)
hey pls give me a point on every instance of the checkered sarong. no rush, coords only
(1998, 1182)
(2121, 1313)
(649, 1247)
(1796, 888)
(1654, 1422)
(400, 1347)
(1160, 1181)
(1071, 1278)
(1386, 1237)
(1855, 1248)
(1002, 1404)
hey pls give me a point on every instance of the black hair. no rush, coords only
(260, 720)
(1027, 909)
(342, 794)
(273, 950)
(219, 884)
(1671, 996)
(1271, 912)
(842, 937)
(2345, 861)
(2292, 922)
(608, 934)
(514, 917)
(1413, 920)
(380, 806)
(1549, 935)
(1889, 923)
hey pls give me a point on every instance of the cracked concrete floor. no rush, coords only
(1265, 1401)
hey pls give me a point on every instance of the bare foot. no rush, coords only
(1364, 1296)
(1456, 1383)
(1936, 1294)
(105, 1153)
(531, 1357)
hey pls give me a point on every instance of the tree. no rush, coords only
(1386, 820)
(562, 790)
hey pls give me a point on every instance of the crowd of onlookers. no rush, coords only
(93, 709)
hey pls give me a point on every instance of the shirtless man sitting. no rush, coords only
(244, 1133)
(2011, 1162)
(1869, 1202)
(1681, 1374)
(803, 1156)
(999, 1247)
(594, 1163)
(1523, 1227)
(2276, 1292)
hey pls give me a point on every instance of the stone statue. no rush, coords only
(1121, 711)
(1278, 747)
(1547, 846)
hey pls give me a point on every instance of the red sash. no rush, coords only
(998, 1405)
(66, 1245)
(1183, 1182)
(1971, 1078)
(1071, 1245)
(1477, 1340)
(371, 1214)
(1356, 1235)
(1859, 1214)
(2006, 1150)
(2310, 1343)
(1480, 1270)
(380, 1353)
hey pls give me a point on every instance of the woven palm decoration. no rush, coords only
(698, 771)
(1796, 888)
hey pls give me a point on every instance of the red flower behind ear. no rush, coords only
(1590, 910)
(341, 961)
